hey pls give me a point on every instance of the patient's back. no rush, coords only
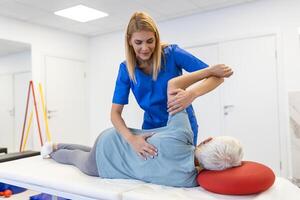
(173, 166)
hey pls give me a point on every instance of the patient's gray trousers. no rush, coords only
(83, 157)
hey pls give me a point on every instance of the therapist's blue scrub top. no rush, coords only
(151, 95)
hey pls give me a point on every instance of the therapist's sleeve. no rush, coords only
(186, 60)
(122, 86)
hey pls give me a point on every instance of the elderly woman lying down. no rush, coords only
(177, 161)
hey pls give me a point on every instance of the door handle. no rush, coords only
(227, 108)
(52, 111)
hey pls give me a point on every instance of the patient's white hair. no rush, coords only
(220, 153)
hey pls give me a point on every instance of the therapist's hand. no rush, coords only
(179, 99)
(220, 70)
(141, 146)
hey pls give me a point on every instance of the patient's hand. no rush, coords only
(179, 99)
(221, 71)
(141, 146)
(199, 168)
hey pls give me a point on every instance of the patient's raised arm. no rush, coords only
(196, 83)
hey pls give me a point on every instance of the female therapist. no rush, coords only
(148, 67)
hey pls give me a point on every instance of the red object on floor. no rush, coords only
(6, 193)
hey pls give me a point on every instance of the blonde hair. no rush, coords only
(220, 153)
(141, 21)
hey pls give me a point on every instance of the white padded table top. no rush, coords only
(67, 181)
(47, 176)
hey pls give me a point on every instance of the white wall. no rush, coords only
(44, 42)
(17, 62)
(106, 53)
(280, 17)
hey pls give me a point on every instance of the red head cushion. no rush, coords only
(249, 178)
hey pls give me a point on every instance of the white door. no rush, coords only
(208, 107)
(250, 98)
(66, 95)
(6, 112)
(294, 113)
(21, 83)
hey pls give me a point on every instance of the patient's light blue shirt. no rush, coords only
(152, 95)
(173, 166)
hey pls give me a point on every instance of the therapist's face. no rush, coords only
(143, 43)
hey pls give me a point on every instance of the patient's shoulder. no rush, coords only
(179, 120)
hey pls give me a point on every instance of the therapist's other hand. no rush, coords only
(179, 99)
(221, 71)
(142, 147)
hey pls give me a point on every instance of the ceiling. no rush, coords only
(41, 12)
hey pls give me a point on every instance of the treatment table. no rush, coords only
(47, 176)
